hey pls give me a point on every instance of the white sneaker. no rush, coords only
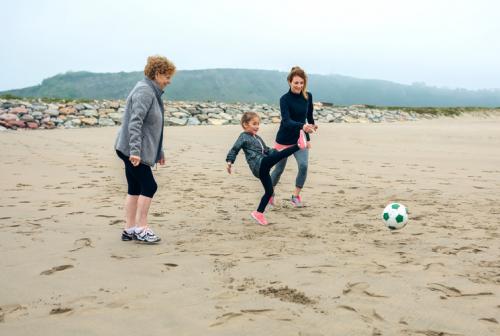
(147, 236)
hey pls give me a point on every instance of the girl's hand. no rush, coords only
(228, 168)
(315, 127)
(308, 145)
(162, 161)
(135, 160)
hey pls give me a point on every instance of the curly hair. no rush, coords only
(298, 71)
(247, 117)
(158, 64)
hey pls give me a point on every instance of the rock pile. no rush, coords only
(16, 114)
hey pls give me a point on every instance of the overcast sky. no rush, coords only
(451, 43)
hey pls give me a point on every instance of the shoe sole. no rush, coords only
(147, 242)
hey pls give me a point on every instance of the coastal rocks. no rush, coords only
(35, 114)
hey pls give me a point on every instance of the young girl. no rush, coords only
(260, 158)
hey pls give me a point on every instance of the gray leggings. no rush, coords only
(302, 157)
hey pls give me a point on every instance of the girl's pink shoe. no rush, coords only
(302, 142)
(259, 217)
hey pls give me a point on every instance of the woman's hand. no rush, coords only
(135, 160)
(162, 161)
(228, 168)
(308, 128)
(308, 145)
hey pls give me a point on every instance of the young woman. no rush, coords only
(296, 115)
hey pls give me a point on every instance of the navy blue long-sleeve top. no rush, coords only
(295, 110)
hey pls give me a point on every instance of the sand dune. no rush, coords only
(330, 268)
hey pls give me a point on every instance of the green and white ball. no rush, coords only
(395, 216)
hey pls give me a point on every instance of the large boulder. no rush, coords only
(193, 121)
(106, 122)
(105, 111)
(90, 121)
(19, 110)
(32, 125)
(8, 116)
(27, 117)
(52, 112)
(67, 110)
(90, 113)
(37, 115)
(116, 117)
(172, 121)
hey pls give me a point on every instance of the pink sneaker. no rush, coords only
(302, 142)
(259, 217)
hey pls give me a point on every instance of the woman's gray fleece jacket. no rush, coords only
(254, 148)
(141, 133)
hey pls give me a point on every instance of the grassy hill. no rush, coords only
(259, 86)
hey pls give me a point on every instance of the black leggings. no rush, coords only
(265, 167)
(140, 179)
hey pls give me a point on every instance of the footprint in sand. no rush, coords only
(116, 221)
(60, 310)
(433, 266)
(169, 266)
(81, 243)
(430, 332)
(360, 288)
(10, 309)
(56, 269)
(449, 291)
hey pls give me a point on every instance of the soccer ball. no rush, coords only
(395, 216)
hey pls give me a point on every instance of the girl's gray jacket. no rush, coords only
(254, 148)
(142, 124)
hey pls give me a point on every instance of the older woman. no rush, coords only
(139, 145)
(296, 114)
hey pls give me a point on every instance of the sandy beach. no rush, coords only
(330, 268)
